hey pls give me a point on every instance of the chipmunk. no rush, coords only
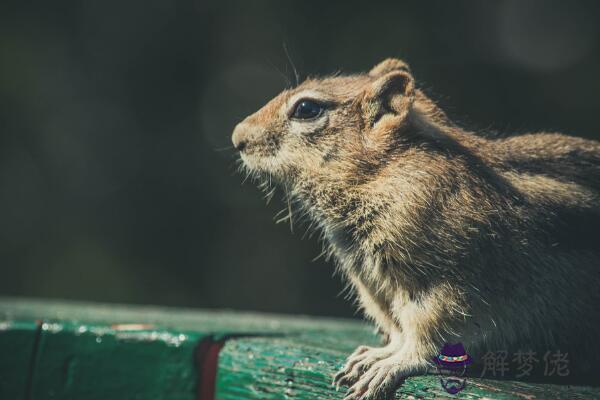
(445, 235)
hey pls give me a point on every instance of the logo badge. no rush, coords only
(452, 364)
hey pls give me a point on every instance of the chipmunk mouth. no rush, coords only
(262, 154)
(259, 149)
(259, 158)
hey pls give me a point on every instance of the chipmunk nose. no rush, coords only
(239, 138)
(242, 134)
(240, 146)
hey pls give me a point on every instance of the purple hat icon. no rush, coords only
(453, 356)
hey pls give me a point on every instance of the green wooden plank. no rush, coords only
(90, 351)
(204, 321)
(17, 342)
(80, 361)
(302, 367)
(86, 352)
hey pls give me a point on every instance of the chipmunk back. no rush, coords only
(445, 235)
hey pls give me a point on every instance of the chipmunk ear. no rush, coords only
(389, 65)
(391, 92)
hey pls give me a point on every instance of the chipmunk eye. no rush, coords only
(307, 109)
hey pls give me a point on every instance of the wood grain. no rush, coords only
(85, 351)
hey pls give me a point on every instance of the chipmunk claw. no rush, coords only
(360, 361)
(382, 379)
(351, 395)
(380, 382)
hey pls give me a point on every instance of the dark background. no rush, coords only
(115, 181)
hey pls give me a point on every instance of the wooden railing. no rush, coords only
(83, 351)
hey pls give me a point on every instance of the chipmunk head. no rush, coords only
(327, 125)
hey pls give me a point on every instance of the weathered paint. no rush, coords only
(80, 361)
(52, 350)
(95, 351)
(220, 322)
(17, 343)
(302, 368)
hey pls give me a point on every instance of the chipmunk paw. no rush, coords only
(381, 380)
(359, 361)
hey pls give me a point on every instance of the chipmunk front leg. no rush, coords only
(365, 356)
(409, 353)
(383, 377)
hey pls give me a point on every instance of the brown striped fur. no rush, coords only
(445, 235)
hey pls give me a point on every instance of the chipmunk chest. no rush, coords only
(367, 272)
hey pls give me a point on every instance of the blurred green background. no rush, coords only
(115, 184)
